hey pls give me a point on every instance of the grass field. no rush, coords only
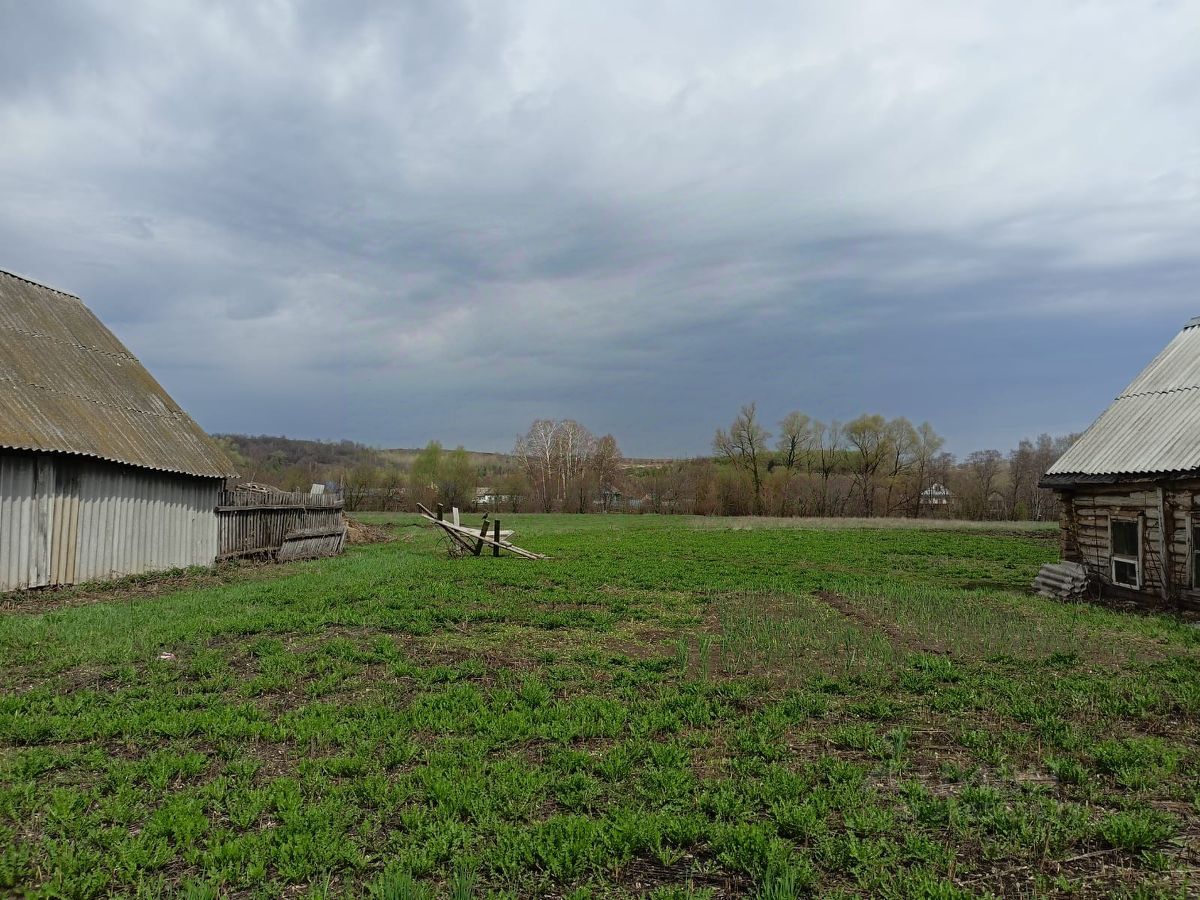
(667, 706)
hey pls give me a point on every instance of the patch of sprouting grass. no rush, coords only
(793, 637)
(1137, 763)
(1136, 830)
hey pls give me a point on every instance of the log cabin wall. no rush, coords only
(1165, 558)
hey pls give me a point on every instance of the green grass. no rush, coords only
(666, 707)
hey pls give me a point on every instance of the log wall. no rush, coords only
(1166, 553)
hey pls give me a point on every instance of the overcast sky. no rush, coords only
(395, 222)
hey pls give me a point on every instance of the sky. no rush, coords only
(394, 222)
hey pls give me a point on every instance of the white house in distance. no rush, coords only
(101, 473)
(936, 498)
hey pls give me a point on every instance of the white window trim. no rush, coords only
(1113, 558)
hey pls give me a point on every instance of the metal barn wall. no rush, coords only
(65, 520)
(24, 529)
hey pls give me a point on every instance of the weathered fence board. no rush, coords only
(279, 523)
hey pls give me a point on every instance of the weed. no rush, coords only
(1136, 830)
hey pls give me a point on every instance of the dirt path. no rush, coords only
(895, 634)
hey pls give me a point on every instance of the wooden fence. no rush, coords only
(280, 524)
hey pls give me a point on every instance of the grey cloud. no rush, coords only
(635, 214)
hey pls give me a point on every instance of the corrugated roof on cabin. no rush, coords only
(1152, 428)
(67, 385)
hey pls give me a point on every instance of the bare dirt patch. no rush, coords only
(640, 876)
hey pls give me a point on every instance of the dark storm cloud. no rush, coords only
(393, 221)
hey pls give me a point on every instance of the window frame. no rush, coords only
(1114, 557)
(1194, 552)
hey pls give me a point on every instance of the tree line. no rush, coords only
(866, 466)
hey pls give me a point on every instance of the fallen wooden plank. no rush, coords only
(466, 537)
(279, 506)
(325, 531)
(469, 532)
(310, 545)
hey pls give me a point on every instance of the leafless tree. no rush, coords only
(573, 448)
(606, 469)
(831, 449)
(743, 445)
(929, 443)
(796, 438)
(868, 439)
(982, 469)
(357, 485)
(535, 453)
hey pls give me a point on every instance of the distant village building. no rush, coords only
(488, 497)
(1128, 487)
(936, 499)
(101, 473)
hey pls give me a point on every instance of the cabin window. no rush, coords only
(1126, 554)
(1196, 556)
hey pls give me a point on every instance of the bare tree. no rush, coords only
(929, 442)
(743, 446)
(606, 469)
(535, 452)
(795, 439)
(982, 468)
(573, 447)
(901, 457)
(867, 436)
(357, 485)
(831, 449)
(1026, 465)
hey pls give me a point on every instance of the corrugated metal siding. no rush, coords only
(20, 545)
(1153, 426)
(68, 385)
(66, 520)
(131, 521)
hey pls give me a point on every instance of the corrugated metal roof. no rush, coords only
(1153, 427)
(68, 385)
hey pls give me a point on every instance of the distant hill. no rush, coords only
(295, 461)
(404, 456)
(276, 452)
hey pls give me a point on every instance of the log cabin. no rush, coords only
(1130, 486)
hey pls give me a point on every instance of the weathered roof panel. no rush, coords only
(68, 385)
(1153, 427)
